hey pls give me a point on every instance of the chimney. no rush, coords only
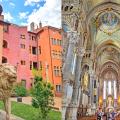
(32, 26)
(40, 24)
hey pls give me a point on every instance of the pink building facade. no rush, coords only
(39, 49)
(17, 50)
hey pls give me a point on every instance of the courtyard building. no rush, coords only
(39, 49)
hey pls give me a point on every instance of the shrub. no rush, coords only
(20, 91)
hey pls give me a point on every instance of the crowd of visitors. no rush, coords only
(109, 115)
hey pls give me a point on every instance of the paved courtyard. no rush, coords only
(27, 100)
(2, 116)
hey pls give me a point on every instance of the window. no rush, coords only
(58, 88)
(5, 28)
(33, 37)
(40, 65)
(22, 46)
(22, 62)
(52, 41)
(53, 54)
(95, 97)
(57, 71)
(30, 36)
(30, 65)
(39, 49)
(5, 44)
(56, 41)
(34, 50)
(23, 82)
(22, 36)
(95, 84)
(60, 54)
(4, 60)
(60, 42)
(56, 54)
(30, 49)
(35, 65)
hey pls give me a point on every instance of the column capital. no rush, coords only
(81, 51)
(92, 73)
(73, 37)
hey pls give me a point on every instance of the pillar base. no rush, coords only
(72, 115)
(89, 110)
(93, 109)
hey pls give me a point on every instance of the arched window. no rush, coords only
(4, 60)
(5, 44)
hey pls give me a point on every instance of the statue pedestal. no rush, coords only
(93, 109)
(110, 108)
(89, 110)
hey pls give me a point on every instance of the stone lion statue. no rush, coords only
(7, 79)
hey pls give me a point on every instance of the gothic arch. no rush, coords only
(100, 8)
(106, 44)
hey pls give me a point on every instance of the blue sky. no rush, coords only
(23, 12)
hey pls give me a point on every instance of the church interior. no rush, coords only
(91, 58)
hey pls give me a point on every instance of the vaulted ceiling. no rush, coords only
(93, 3)
(105, 32)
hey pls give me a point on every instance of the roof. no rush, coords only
(3, 22)
(36, 31)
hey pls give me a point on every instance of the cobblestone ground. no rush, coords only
(2, 116)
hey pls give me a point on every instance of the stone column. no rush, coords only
(76, 89)
(92, 105)
(66, 99)
(73, 40)
(104, 93)
(67, 73)
(115, 93)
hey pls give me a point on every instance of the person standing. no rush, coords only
(100, 114)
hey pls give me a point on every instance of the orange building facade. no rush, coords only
(50, 56)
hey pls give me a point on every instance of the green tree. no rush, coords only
(42, 97)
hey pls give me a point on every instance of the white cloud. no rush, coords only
(12, 4)
(23, 24)
(23, 15)
(8, 16)
(32, 2)
(49, 14)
